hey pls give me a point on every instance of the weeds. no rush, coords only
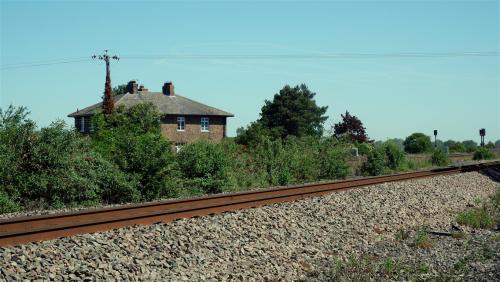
(458, 235)
(422, 239)
(485, 217)
(389, 267)
(476, 218)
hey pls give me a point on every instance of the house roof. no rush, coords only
(171, 105)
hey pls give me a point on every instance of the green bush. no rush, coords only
(364, 148)
(384, 158)
(375, 163)
(439, 158)
(482, 153)
(273, 159)
(54, 167)
(7, 205)
(244, 172)
(132, 140)
(333, 160)
(204, 166)
(417, 143)
(300, 160)
(394, 155)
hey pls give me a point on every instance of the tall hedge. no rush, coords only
(54, 166)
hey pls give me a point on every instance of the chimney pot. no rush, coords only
(168, 89)
(132, 87)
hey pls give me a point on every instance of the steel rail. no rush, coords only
(45, 227)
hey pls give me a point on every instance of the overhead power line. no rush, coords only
(314, 56)
(263, 57)
(47, 63)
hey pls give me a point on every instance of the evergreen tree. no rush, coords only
(293, 111)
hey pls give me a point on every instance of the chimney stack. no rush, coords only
(132, 87)
(143, 89)
(168, 89)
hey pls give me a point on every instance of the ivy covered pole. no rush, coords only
(107, 104)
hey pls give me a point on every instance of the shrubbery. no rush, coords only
(439, 157)
(132, 140)
(384, 158)
(126, 159)
(204, 166)
(482, 153)
(53, 167)
(417, 143)
(375, 162)
(395, 155)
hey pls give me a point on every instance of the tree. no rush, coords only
(470, 145)
(454, 146)
(119, 90)
(131, 139)
(351, 127)
(417, 143)
(253, 134)
(497, 144)
(293, 111)
(490, 145)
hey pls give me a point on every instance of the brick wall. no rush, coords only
(192, 130)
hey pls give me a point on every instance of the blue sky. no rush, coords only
(392, 96)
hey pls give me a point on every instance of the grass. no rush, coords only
(422, 239)
(485, 217)
(476, 218)
(368, 268)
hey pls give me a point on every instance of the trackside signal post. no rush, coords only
(435, 136)
(482, 133)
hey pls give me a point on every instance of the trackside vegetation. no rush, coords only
(127, 159)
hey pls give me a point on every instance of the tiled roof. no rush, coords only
(173, 105)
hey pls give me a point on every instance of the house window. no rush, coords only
(181, 123)
(204, 124)
(82, 124)
(178, 147)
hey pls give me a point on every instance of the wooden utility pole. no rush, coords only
(107, 104)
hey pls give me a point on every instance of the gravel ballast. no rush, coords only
(291, 241)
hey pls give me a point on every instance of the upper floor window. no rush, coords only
(204, 124)
(181, 123)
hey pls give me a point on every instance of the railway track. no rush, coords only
(21, 230)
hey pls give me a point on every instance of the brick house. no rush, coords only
(183, 120)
